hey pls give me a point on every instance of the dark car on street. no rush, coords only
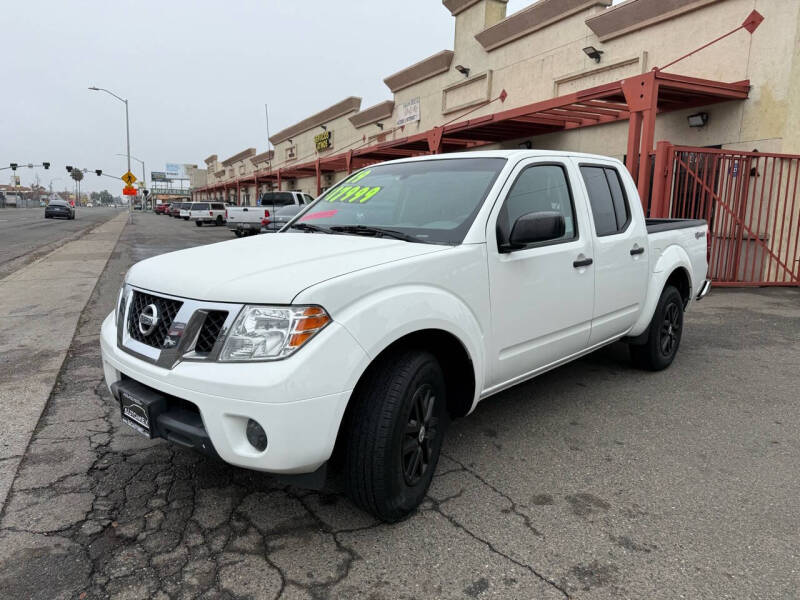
(59, 209)
(175, 209)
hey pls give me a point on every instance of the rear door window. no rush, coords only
(607, 198)
(200, 206)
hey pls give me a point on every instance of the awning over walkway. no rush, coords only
(635, 99)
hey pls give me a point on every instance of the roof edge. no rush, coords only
(346, 106)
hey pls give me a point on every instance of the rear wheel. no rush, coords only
(394, 431)
(198, 223)
(218, 220)
(664, 333)
(238, 233)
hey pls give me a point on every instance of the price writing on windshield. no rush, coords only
(354, 193)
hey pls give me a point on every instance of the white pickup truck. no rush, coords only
(395, 303)
(247, 220)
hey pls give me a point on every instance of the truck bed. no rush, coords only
(658, 225)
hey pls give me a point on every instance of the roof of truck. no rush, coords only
(507, 154)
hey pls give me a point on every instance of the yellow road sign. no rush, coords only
(129, 178)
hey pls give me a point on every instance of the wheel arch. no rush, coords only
(454, 358)
(673, 267)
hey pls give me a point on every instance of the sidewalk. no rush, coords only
(40, 305)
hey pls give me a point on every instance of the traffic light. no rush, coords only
(46, 165)
(69, 169)
(13, 166)
(99, 172)
(146, 193)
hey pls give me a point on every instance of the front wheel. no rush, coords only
(664, 333)
(395, 429)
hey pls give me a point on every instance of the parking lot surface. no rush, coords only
(593, 481)
(25, 233)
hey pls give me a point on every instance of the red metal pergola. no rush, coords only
(636, 99)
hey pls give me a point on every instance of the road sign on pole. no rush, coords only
(129, 178)
(129, 190)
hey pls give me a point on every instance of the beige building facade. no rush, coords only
(499, 62)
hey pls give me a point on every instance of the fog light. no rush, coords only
(256, 435)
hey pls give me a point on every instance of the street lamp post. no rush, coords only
(127, 134)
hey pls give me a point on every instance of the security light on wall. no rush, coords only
(324, 127)
(698, 119)
(380, 126)
(463, 70)
(593, 53)
(291, 141)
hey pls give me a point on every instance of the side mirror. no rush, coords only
(536, 227)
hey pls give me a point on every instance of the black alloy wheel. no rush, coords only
(670, 329)
(420, 435)
(663, 334)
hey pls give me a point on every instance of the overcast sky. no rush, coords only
(196, 74)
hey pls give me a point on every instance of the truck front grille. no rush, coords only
(166, 309)
(210, 330)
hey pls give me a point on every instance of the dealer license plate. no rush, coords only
(135, 413)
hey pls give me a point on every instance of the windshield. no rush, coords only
(432, 201)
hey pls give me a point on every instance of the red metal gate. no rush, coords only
(750, 202)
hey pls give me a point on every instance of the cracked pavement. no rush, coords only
(593, 481)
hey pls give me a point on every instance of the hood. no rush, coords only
(268, 268)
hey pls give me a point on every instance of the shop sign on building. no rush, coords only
(408, 112)
(324, 141)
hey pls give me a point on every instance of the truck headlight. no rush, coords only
(272, 332)
(120, 304)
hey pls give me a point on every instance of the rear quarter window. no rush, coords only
(607, 199)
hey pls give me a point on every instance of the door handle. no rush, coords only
(635, 251)
(584, 262)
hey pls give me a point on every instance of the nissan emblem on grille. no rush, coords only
(148, 319)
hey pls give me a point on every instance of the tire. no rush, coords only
(185, 218)
(198, 223)
(218, 221)
(386, 418)
(664, 333)
(237, 233)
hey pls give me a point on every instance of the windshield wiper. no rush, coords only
(309, 227)
(376, 231)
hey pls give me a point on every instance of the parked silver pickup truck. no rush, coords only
(246, 220)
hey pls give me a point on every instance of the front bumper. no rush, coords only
(299, 401)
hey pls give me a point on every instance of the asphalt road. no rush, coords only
(25, 233)
(593, 481)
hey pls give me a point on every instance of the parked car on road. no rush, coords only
(207, 212)
(175, 209)
(161, 209)
(398, 301)
(60, 209)
(246, 220)
(184, 211)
